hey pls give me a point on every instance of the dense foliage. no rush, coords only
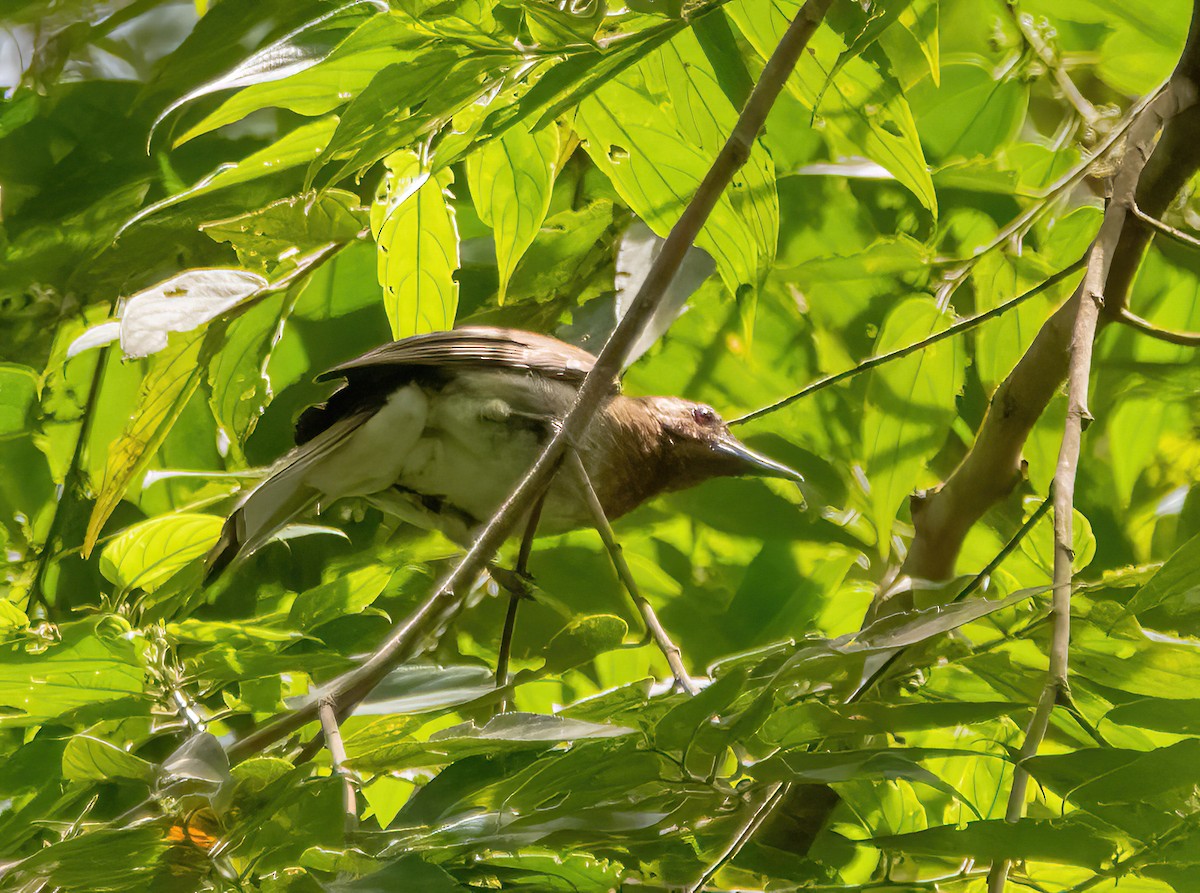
(335, 175)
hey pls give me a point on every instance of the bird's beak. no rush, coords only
(754, 462)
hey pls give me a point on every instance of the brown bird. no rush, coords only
(438, 428)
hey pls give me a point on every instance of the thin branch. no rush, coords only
(327, 712)
(1165, 229)
(1171, 336)
(515, 598)
(1033, 39)
(963, 325)
(992, 466)
(409, 638)
(661, 638)
(774, 796)
(1014, 541)
(1087, 319)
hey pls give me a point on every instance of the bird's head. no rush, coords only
(697, 445)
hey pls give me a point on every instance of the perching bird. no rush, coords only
(438, 428)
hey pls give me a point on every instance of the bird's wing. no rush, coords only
(478, 347)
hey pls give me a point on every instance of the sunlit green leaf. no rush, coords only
(510, 181)
(413, 224)
(909, 404)
(92, 759)
(147, 554)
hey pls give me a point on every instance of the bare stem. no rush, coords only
(409, 638)
(1087, 318)
(1165, 229)
(327, 712)
(1171, 336)
(661, 638)
(515, 599)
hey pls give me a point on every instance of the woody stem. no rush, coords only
(669, 649)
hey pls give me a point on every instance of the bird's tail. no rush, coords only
(285, 494)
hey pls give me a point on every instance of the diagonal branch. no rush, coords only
(409, 638)
(661, 638)
(992, 467)
(1091, 298)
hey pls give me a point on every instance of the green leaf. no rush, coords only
(239, 386)
(1066, 841)
(503, 734)
(345, 594)
(413, 224)
(318, 85)
(101, 861)
(683, 722)
(670, 106)
(294, 148)
(295, 52)
(146, 555)
(910, 404)
(268, 238)
(91, 759)
(970, 113)
(173, 377)
(95, 660)
(863, 113)
(803, 767)
(18, 399)
(511, 179)
(1176, 586)
(582, 639)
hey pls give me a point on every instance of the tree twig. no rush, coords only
(327, 712)
(408, 638)
(515, 598)
(878, 673)
(1033, 39)
(1083, 335)
(1172, 336)
(661, 638)
(1163, 228)
(963, 325)
(774, 796)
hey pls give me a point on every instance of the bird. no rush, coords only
(437, 428)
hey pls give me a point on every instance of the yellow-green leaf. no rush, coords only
(511, 179)
(910, 404)
(148, 554)
(173, 377)
(414, 228)
(92, 759)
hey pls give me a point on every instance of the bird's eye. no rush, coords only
(704, 415)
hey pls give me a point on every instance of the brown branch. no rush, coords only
(661, 638)
(409, 638)
(517, 594)
(1090, 300)
(1171, 336)
(992, 467)
(1165, 228)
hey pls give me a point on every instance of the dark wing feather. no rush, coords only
(479, 347)
(431, 357)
